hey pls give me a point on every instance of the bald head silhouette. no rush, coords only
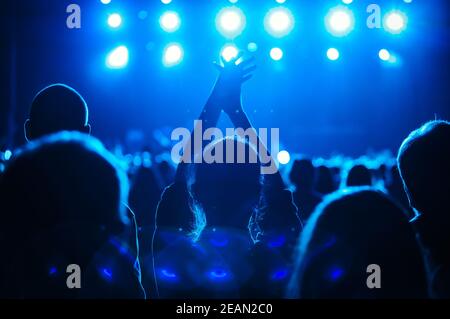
(56, 108)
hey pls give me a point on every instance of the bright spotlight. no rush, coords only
(339, 21)
(384, 55)
(283, 157)
(173, 55)
(332, 54)
(170, 21)
(347, 1)
(166, 1)
(280, 1)
(276, 54)
(117, 58)
(279, 22)
(114, 20)
(395, 22)
(229, 52)
(230, 22)
(105, 1)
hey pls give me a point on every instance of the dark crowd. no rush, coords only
(140, 226)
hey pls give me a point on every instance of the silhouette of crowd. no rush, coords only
(139, 226)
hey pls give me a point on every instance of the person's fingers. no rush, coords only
(249, 69)
(218, 66)
(246, 78)
(224, 62)
(246, 62)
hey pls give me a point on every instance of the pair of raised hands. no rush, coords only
(233, 73)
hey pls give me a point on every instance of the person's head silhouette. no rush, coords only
(349, 231)
(302, 174)
(56, 108)
(424, 165)
(359, 175)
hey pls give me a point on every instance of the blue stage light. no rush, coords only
(114, 20)
(166, 1)
(229, 52)
(170, 21)
(252, 47)
(283, 157)
(276, 54)
(230, 22)
(173, 55)
(333, 54)
(347, 1)
(339, 21)
(280, 1)
(279, 22)
(106, 273)
(105, 1)
(118, 58)
(384, 55)
(395, 21)
(7, 155)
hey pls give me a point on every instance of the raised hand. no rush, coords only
(232, 75)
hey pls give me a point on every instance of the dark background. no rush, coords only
(350, 106)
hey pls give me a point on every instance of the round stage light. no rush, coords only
(173, 55)
(384, 55)
(166, 1)
(230, 22)
(339, 21)
(347, 1)
(105, 1)
(114, 20)
(395, 22)
(283, 157)
(229, 52)
(252, 47)
(332, 54)
(280, 1)
(170, 21)
(279, 22)
(276, 54)
(117, 58)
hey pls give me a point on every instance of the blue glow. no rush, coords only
(230, 22)
(142, 14)
(173, 55)
(279, 274)
(52, 271)
(219, 242)
(170, 21)
(277, 242)
(395, 21)
(115, 20)
(335, 273)
(339, 21)
(218, 275)
(283, 157)
(7, 155)
(118, 58)
(333, 54)
(106, 274)
(168, 275)
(276, 54)
(279, 22)
(229, 52)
